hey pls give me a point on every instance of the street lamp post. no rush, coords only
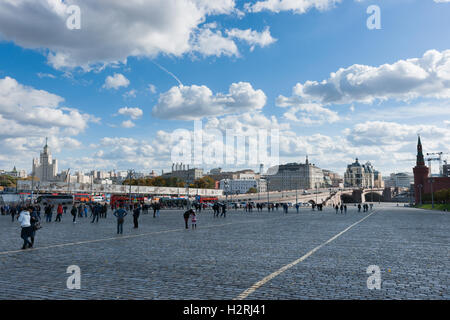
(68, 181)
(268, 200)
(32, 184)
(432, 194)
(317, 190)
(187, 192)
(226, 184)
(420, 193)
(130, 175)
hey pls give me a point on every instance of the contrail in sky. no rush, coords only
(168, 72)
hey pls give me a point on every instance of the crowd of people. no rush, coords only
(29, 216)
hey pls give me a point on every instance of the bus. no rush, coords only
(120, 199)
(82, 197)
(55, 199)
(207, 199)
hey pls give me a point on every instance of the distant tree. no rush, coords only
(252, 190)
(204, 183)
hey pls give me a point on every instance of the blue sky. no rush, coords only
(62, 74)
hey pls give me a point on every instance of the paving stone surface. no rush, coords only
(225, 256)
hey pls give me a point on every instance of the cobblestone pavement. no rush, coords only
(226, 256)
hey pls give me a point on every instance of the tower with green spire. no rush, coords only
(420, 159)
(421, 173)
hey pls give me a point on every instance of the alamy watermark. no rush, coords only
(374, 20)
(230, 147)
(374, 280)
(74, 280)
(73, 22)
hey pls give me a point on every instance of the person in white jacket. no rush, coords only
(27, 230)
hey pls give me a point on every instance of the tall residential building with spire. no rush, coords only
(45, 168)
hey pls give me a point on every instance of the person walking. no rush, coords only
(13, 212)
(345, 208)
(120, 214)
(35, 224)
(154, 209)
(224, 210)
(48, 213)
(359, 207)
(297, 207)
(95, 213)
(336, 208)
(59, 212)
(216, 209)
(136, 214)
(158, 208)
(26, 231)
(73, 212)
(342, 208)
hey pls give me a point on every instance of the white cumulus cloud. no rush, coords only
(296, 6)
(428, 76)
(116, 81)
(134, 113)
(195, 102)
(112, 30)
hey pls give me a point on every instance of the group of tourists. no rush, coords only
(319, 206)
(365, 207)
(219, 208)
(29, 222)
(342, 207)
(190, 214)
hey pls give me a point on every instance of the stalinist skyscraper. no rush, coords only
(47, 168)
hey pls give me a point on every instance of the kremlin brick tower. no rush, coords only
(421, 173)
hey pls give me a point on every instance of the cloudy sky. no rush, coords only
(111, 94)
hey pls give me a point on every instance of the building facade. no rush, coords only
(362, 176)
(241, 186)
(184, 173)
(294, 176)
(45, 168)
(400, 180)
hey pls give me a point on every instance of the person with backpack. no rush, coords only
(35, 224)
(120, 214)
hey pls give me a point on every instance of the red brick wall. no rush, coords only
(438, 184)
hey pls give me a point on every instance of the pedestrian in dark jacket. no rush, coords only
(120, 214)
(186, 216)
(136, 214)
(74, 212)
